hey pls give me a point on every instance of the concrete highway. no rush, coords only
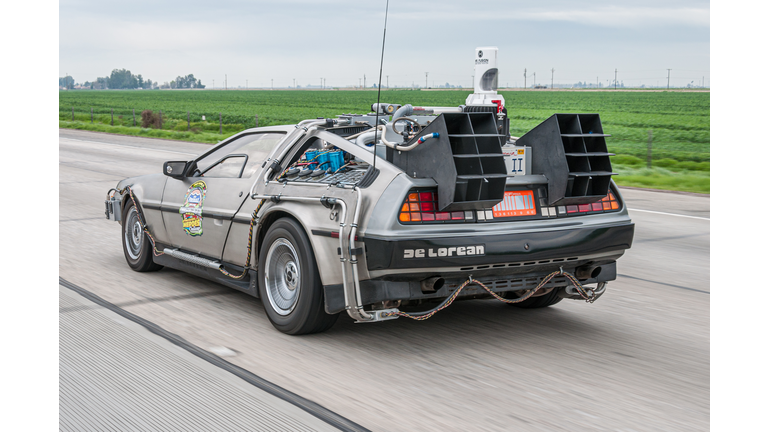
(635, 360)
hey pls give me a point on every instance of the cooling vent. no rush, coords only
(570, 150)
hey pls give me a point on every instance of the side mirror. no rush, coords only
(174, 169)
(179, 169)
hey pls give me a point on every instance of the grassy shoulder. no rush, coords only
(664, 174)
(201, 137)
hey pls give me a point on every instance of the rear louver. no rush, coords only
(570, 149)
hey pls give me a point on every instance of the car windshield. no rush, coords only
(256, 146)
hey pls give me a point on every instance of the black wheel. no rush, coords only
(539, 302)
(137, 247)
(289, 283)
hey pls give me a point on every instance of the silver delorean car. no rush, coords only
(392, 213)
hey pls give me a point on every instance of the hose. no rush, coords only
(589, 296)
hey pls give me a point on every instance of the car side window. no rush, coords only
(251, 150)
(229, 167)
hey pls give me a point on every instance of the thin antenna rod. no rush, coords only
(378, 98)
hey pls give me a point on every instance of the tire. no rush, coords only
(137, 247)
(540, 302)
(289, 283)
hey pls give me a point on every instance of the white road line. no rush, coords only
(127, 146)
(669, 214)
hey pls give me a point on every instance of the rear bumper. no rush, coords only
(478, 250)
(504, 265)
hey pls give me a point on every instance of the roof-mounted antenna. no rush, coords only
(378, 98)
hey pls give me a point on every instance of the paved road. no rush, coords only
(636, 360)
(115, 374)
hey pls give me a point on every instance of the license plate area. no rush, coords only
(516, 203)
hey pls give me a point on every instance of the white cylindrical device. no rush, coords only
(486, 77)
(486, 70)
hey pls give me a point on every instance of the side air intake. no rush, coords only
(570, 150)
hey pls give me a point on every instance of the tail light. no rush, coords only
(421, 207)
(608, 203)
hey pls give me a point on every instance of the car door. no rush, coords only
(198, 210)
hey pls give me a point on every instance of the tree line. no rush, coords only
(124, 79)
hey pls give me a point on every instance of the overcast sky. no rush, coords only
(341, 41)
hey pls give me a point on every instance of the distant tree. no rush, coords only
(67, 82)
(122, 79)
(101, 83)
(188, 81)
(140, 80)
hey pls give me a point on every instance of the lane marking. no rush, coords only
(668, 214)
(662, 283)
(126, 146)
(307, 405)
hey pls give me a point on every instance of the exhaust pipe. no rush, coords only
(587, 272)
(432, 284)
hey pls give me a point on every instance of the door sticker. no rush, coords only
(192, 210)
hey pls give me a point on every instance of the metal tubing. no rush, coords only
(290, 140)
(353, 260)
(353, 307)
(437, 110)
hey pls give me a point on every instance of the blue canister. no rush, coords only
(337, 160)
(310, 155)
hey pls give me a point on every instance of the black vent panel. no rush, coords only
(570, 149)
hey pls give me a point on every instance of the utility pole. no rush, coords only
(702, 80)
(426, 79)
(534, 80)
(597, 82)
(364, 85)
(294, 83)
(525, 77)
(668, 70)
(214, 84)
(552, 85)
(225, 81)
(615, 78)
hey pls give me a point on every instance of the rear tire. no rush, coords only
(540, 302)
(137, 247)
(289, 283)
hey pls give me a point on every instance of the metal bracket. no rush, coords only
(381, 315)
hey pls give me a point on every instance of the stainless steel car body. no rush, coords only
(356, 238)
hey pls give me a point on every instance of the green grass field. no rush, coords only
(679, 121)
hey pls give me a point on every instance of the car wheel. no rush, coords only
(289, 283)
(137, 247)
(539, 302)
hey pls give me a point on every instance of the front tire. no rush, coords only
(137, 247)
(289, 283)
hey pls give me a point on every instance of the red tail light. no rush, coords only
(421, 206)
(608, 203)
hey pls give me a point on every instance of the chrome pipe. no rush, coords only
(351, 291)
(353, 259)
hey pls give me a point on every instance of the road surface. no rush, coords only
(635, 360)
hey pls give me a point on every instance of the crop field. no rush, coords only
(678, 121)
